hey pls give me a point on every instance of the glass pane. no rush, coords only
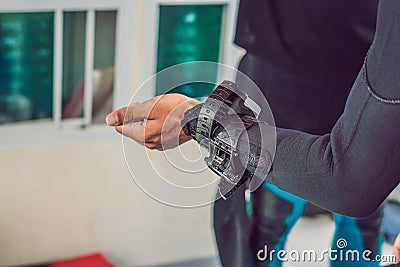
(189, 33)
(26, 66)
(73, 64)
(104, 64)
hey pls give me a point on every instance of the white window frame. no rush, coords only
(135, 61)
(123, 43)
(123, 60)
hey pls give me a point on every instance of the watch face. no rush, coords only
(223, 118)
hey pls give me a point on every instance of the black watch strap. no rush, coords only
(189, 122)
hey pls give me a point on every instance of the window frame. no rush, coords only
(124, 45)
(134, 46)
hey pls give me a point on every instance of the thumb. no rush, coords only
(116, 118)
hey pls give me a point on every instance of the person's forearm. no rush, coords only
(354, 168)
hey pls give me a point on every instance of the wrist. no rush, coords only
(189, 121)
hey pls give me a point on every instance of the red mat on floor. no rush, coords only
(93, 260)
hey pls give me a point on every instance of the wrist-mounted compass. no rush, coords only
(222, 121)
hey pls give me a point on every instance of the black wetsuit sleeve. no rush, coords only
(355, 167)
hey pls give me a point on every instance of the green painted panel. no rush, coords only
(26, 66)
(189, 33)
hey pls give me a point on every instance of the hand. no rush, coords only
(156, 123)
(396, 249)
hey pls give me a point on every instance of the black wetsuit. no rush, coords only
(304, 56)
(352, 169)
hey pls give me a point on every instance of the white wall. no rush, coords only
(64, 200)
(65, 193)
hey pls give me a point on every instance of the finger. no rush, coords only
(152, 146)
(133, 130)
(116, 118)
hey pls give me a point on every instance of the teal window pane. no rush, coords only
(26, 66)
(105, 39)
(189, 33)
